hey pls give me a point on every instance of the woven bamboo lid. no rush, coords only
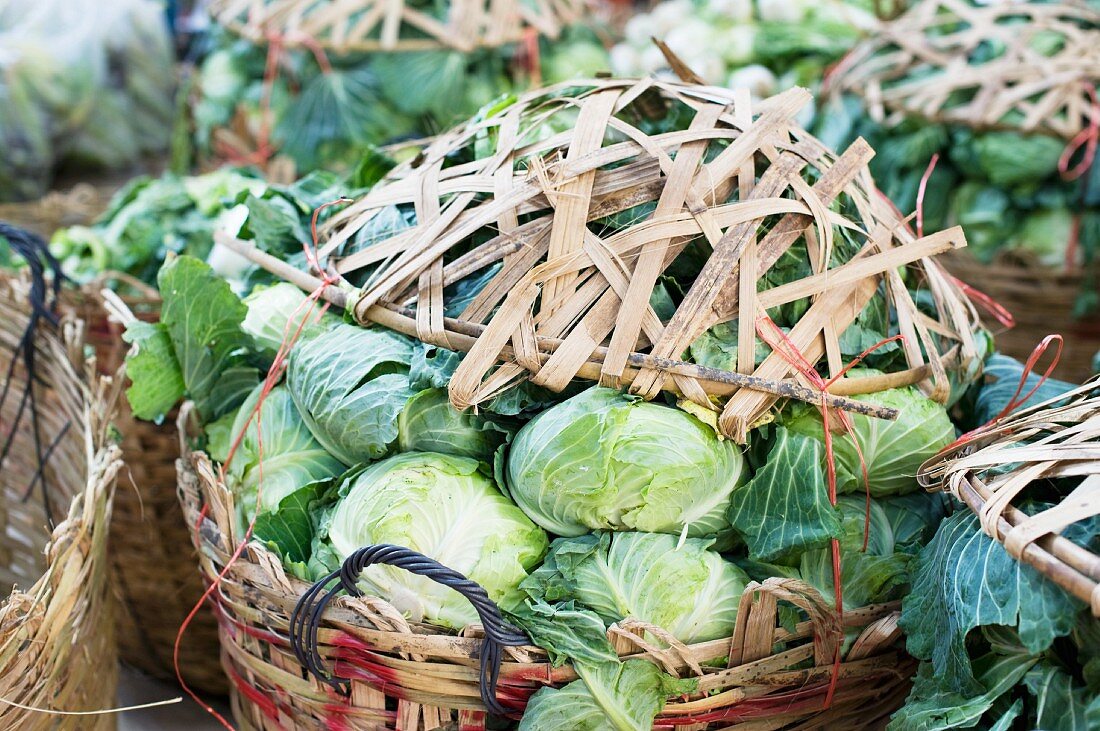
(396, 25)
(573, 201)
(1027, 66)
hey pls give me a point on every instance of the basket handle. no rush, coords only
(305, 621)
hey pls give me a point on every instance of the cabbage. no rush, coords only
(445, 508)
(602, 460)
(270, 310)
(878, 574)
(291, 457)
(893, 450)
(690, 590)
(350, 384)
(429, 423)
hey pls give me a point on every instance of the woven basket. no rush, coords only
(405, 25)
(1054, 439)
(57, 634)
(77, 206)
(1041, 301)
(554, 311)
(411, 677)
(915, 68)
(156, 581)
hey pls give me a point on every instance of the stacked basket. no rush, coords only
(570, 303)
(57, 635)
(1031, 68)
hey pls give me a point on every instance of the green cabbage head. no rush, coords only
(688, 590)
(446, 508)
(892, 450)
(602, 460)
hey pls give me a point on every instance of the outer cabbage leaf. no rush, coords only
(876, 575)
(445, 508)
(914, 518)
(429, 423)
(565, 631)
(963, 580)
(893, 450)
(934, 706)
(203, 318)
(621, 696)
(687, 590)
(350, 384)
(156, 383)
(791, 484)
(291, 457)
(601, 460)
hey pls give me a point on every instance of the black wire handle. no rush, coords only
(43, 297)
(305, 621)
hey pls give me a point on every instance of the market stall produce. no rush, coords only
(316, 84)
(1002, 99)
(84, 85)
(492, 270)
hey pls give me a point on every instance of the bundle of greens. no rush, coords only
(764, 45)
(1000, 645)
(321, 110)
(82, 85)
(575, 509)
(1003, 179)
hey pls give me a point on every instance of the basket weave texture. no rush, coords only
(409, 676)
(1042, 301)
(405, 25)
(920, 65)
(1002, 466)
(153, 572)
(569, 300)
(57, 634)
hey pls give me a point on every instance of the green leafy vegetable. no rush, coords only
(156, 382)
(429, 423)
(602, 460)
(688, 590)
(350, 384)
(445, 508)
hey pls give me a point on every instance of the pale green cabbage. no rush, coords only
(688, 590)
(447, 509)
(892, 450)
(602, 460)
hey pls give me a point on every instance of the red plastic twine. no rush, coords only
(1086, 138)
(1017, 401)
(778, 341)
(274, 375)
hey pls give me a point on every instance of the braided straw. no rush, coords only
(57, 636)
(570, 301)
(1055, 439)
(924, 64)
(401, 25)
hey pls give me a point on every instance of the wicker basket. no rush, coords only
(553, 311)
(374, 25)
(1058, 438)
(1041, 301)
(156, 582)
(412, 677)
(916, 68)
(57, 634)
(77, 206)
